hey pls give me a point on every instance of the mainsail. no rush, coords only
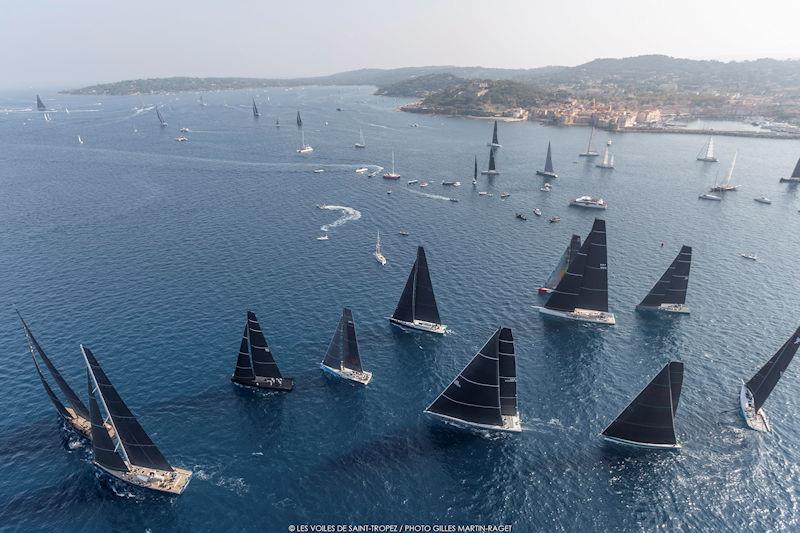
(264, 365)
(103, 448)
(767, 377)
(707, 151)
(160, 118)
(585, 284)
(494, 134)
(486, 389)
(299, 120)
(475, 170)
(39, 104)
(728, 178)
(671, 287)
(548, 162)
(244, 366)
(491, 161)
(256, 114)
(649, 420)
(566, 259)
(136, 445)
(417, 301)
(343, 349)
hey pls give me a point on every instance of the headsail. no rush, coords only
(160, 118)
(566, 258)
(796, 173)
(671, 287)
(767, 377)
(244, 366)
(730, 170)
(136, 444)
(649, 420)
(53, 398)
(39, 104)
(475, 170)
(264, 365)
(590, 147)
(103, 448)
(548, 162)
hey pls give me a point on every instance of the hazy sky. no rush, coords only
(57, 44)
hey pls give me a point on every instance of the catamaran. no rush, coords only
(161, 119)
(361, 143)
(76, 416)
(494, 144)
(391, 175)
(582, 294)
(608, 160)
(39, 104)
(649, 420)
(561, 268)
(255, 366)
(795, 177)
(548, 165)
(342, 358)
(126, 453)
(484, 394)
(378, 255)
(707, 152)
(669, 292)
(304, 148)
(417, 306)
(492, 171)
(299, 120)
(755, 392)
(256, 114)
(590, 150)
(726, 184)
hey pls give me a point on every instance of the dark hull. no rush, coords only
(546, 174)
(284, 384)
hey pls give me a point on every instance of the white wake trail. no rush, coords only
(348, 214)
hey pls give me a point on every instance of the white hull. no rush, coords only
(305, 150)
(642, 444)
(582, 315)
(421, 325)
(710, 197)
(494, 145)
(588, 206)
(589, 154)
(379, 258)
(754, 420)
(511, 424)
(362, 377)
(358, 145)
(682, 309)
(489, 172)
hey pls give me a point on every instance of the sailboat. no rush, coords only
(361, 143)
(378, 255)
(669, 292)
(160, 118)
(608, 160)
(582, 294)
(795, 177)
(277, 123)
(492, 170)
(80, 141)
(649, 420)
(391, 175)
(548, 165)
(494, 144)
(484, 394)
(76, 415)
(255, 366)
(755, 392)
(342, 358)
(304, 148)
(561, 268)
(126, 452)
(417, 306)
(590, 150)
(707, 152)
(475, 172)
(299, 120)
(726, 184)
(256, 114)
(39, 104)
(201, 101)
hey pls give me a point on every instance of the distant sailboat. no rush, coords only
(304, 148)
(299, 120)
(548, 165)
(39, 104)
(160, 118)
(795, 177)
(392, 175)
(726, 183)
(608, 160)
(484, 394)
(590, 149)
(256, 114)
(255, 366)
(649, 420)
(561, 268)
(80, 141)
(126, 453)
(361, 143)
(378, 255)
(669, 292)
(46, 117)
(755, 392)
(342, 358)
(201, 101)
(707, 152)
(417, 306)
(495, 143)
(277, 123)
(76, 415)
(582, 294)
(492, 170)
(475, 172)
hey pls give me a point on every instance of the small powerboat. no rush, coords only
(763, 200)
(453, 199)
(504, 195)
(750, 256)
(712, 197)
(521, 216)
(555, 219)
(319, 170)
(362, 170)
(537, 212)
(413, 182)
(323, 237)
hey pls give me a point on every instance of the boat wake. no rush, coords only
(428, 195)
(348, 214)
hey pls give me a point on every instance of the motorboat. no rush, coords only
(763, 200)
(748, 255)
(413, 182)
(323, 237)
(521, 216)
(319, 170)
(537, 212)
(504, 195)
(709, 196)
(362, 170)
(589, 202)
(554, 219)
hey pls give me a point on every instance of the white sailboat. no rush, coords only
(707, 152)
(304, 148)
(608, 160)
(392, 175)
(361, 143)
(379, 257)
(80, 141)
(726, 184)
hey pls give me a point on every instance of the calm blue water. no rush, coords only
(150, 251)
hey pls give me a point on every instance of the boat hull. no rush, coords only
(588, 206)
(494, 145)
(790, 180)
(546, 174)
(708, 159)
(279, 384)
(362, 377)
(511, 424)
(754, 420)
(589, 154)
(357, 145)
(391, 176)
(582, 315)
(158, 480)
(681, 309)
(489, 173)
(421, 325)
(646, 445)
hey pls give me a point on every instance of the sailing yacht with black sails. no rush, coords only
(342, 358)
(417, 306)
(669, 292)
(492, 170)
(255, 366)
(548, 165)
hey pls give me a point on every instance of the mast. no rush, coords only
(39, 104)
(299, 120)
(392, 161)
(589, 148)
(585, 284)
(378, 244)
(103, 447)
(671, 287)
(494, 134)
(134, 442)
(264, 365)
(650, 418)
(491, 160)
(548, 162)
(302, 138)
(566, 259)
(767, 377)
(244, 366)
(361, 137)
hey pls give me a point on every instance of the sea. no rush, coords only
(150, 251)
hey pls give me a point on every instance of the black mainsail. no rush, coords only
(671, 287)
(649, 420)
(299, 120)
(492, 167)
(475, 171)
(103, 448)
(136, 445)
(486, 390)
(418, 301)
(343, 349)
(256, 114)
(255, 365)
(585, 283)
(39, 104)
(767, 377)
(548, 162)
(160, 118)
(495, 142)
